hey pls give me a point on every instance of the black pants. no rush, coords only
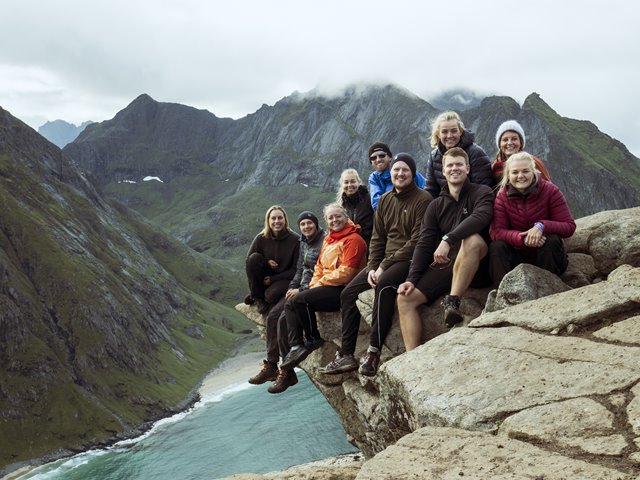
(300, 311)
(257, 268)
(384, 304)
(504, 258)
(272, 331)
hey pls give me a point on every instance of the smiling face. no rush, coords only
(336, 219)
(401, 176)
(350, 184)
(307, 228)
(455, 169)
(380, 160)
(449, 133)
(520, 174)
(276, 221)
(510, 143)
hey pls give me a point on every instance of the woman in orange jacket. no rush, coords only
(342, 256)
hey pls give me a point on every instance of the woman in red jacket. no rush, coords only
(342, 256)
(530, 219)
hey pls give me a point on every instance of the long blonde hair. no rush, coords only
(266, 231)
(348, 171)
(443, 117)
(514, 158)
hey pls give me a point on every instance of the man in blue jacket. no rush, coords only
(380, 157)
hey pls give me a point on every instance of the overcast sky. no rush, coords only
(85, 60)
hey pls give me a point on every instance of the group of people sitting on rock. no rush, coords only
(412, 239)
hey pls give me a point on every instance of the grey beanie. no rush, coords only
(510, 126)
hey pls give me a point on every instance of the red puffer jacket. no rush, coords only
(516, 212)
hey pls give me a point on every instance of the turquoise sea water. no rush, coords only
(240, 429)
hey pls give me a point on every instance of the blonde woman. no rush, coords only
(530, 219)
(271, 264)
(447, 131)
(354, 198)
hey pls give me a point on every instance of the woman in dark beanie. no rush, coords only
(510, 139)
(354, 198)
(270, 265)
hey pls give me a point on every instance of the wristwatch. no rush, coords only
(445, 238)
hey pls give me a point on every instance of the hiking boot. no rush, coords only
(370, 363)
(294, 357)
(313, 344)
(268, 373)
(452, 315)
(249, 300)
(285, 379)
(263, 307)
(341, 364)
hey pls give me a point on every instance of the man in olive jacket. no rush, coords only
(396, 227)
(453, 241)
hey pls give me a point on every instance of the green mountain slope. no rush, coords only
(105, 321)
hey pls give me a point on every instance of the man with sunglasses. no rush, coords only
(396, 227)
(380, 183)
(450, 250)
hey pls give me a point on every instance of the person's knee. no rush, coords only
(409, 303)
(255, 259)
(554, 242)
(474, 245)
(499, 248)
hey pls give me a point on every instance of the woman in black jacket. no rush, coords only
(447, 131)
(354, 198)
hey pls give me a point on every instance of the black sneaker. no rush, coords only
(313, 344)
(294, 357)
(286, 379)
(341, 364)
(370, 363)
(268, 373)
(452, 315)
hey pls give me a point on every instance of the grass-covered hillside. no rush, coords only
(106, 322)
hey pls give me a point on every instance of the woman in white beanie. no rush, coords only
(510, 139)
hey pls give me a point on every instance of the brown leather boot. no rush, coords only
(286, 379)
(268, 373)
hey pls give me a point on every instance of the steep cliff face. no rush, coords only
(540, 387)
(98, 333)
(292, 154)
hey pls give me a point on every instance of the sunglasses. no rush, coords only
(372, 158)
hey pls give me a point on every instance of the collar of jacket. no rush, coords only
(319, 233)
(465, 187)
(531, 189)
(348, 229)
(406, 192)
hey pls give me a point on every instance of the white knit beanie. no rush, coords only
(513, 126)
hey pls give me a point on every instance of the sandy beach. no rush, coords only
(232, 371)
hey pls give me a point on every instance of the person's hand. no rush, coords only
(273, 264)
(266, 281)
(372, 278)
(406, 288)
(441, 255)
(291, 292)
(533, 237)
